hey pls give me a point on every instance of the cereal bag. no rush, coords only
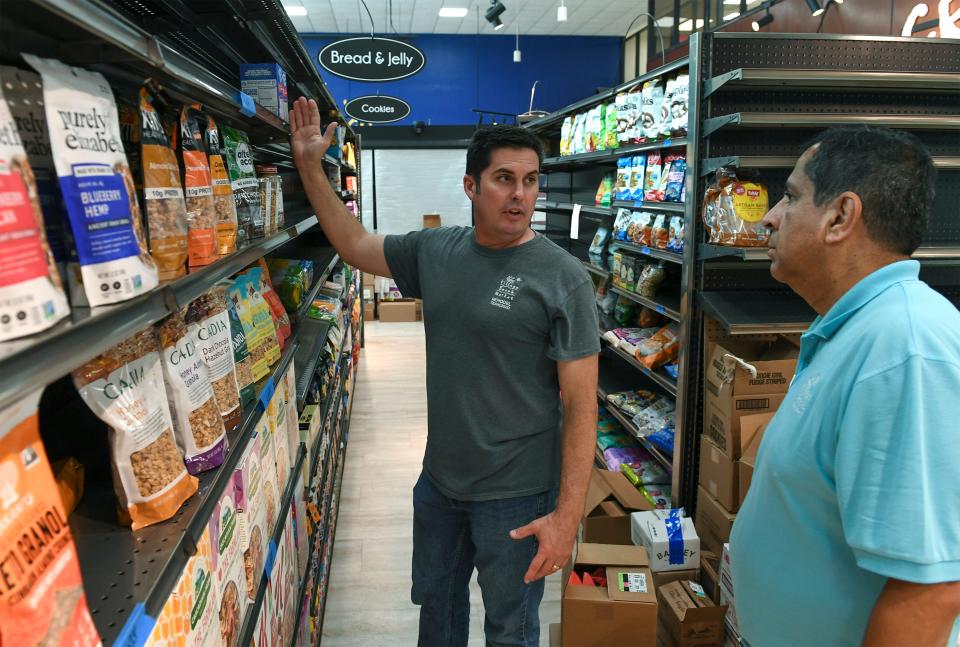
(261, 338)
(243, 178)
(162, 193)
(263, 318)
(41, 588)
(108, 243)
(280, 318)
(31, 292)
(226, 228)
(124, 388)
(198, 185)
(229, 578)
(196, 420)
(251, 516)
(208, 320)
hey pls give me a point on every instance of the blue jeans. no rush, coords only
(452, 537)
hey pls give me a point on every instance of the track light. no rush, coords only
(815, 8)
(517, 56)
(562, 12)
(493, 14)
(762, 22)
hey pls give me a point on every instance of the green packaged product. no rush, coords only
(241, 354)
(611, 140)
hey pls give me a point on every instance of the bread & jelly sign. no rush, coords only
(368, 58)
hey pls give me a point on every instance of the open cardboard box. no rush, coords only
(728, 377)
(719, 474)
(649, 530)
(689, 616)
(726, 430)
(713, 521)
(606, 514)
(748, 460)
(626, 608)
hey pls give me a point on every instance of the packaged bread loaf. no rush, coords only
(198, 187)
(31, 292)
(208, 320)
(41, 591)
(109, 254)
(197, 424)
(738, 210)
(226, 227)
(124, 388)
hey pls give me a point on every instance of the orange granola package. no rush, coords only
(198, 187)
(41, 590)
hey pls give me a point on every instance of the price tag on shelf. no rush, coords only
(575, 222)
(661, 310)
(247, 106)
(638, 204)
(645, 250)
(267, 394)
(667, 142)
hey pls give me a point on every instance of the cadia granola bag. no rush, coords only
(162, 194)
(97, 186)
(41, 590)
(226, 229)
(124, 388)
(198, 186)
(31, 293)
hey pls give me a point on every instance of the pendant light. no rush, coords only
(517, 57)
(562, 12)
(815, 8)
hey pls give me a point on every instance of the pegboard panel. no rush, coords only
(944, 227)
(826, 102)
(741, 276)
(787, 141)
(835, 54)
(585, 183)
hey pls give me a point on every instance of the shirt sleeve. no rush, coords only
(575, 328)
(897, 459)
(402, 254)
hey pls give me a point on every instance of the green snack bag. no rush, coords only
(610, 131)
(241, 354)
(601, 127)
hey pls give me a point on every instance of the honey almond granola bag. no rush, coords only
(41, 590)
(197, 424)
(226, 228)
(124, 388)
(198, 187)
(109, 248)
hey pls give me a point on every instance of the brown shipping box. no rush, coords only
(431, 220)
(626, 609)
(665, 577)
(368, 311)
(718, 474)
(726, 430)
(710, 574)
(399, 311)
(689, 616)
(610, 500)
(713, 521)
(749, 459)
(369, 280)
(555, 635)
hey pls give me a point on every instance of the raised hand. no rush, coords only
(307, 141)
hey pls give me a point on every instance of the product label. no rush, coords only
(750, 201)
(696, 588)
(214, 342)
(632, 582)
(21, 256)
(99, 209)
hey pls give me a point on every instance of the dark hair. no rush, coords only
(489, 138)
(890, 170)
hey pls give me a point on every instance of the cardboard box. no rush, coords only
(368, 313)
(369, 280)
(728, 377)
(267, 84)
(726, 430)
(555, 636)
(610, 500)
(599, 617)
(689, 616)
(713, 521)
(655, 538)
(397, 311)
(665, 577)
(749, 459)
(719, 474)
(710, 574)
(431, 220)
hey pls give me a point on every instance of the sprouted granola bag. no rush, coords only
(208, 320)
(124, 388)
(31, 293)
(162, 194)
(198, 186)
(246, 188)
(223, 202)
(197, 424)
(97, 185)
(42, 600)
(242, 362)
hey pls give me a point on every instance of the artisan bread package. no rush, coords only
(31, 292)
(208, 320)
(226, 227)
(42, 600)
(246, 188)
(124, 388)
(97, 185)
(162, 193)
(734, 210)
(197, 424)
(198, 186)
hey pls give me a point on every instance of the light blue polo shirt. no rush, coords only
(858, 475)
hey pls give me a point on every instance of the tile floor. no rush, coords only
(369, 596)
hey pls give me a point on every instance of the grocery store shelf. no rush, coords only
(600, 211)
(824, 120)
(324, 274)
(329, 407)
(711, 164)
(628, 425)
(314, 338)
(593, 269)
(347, 169)
(937, 252)
(677, 207)
(33, 362)
(660, 378)
(757, 312)
(652, 252)
(609, 156)
(126, 573)
(840, 79)
(672, 310)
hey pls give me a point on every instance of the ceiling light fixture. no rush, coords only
(517, 56)
(762, 22)
(562, 12)
(493, 14)
(453, 12)
(815, 8)
(731, 16)
(296, 11)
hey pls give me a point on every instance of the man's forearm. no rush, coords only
(579, 446)
(913, 614)
(342, 229)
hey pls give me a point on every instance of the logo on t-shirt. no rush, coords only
(805, 394)
(506, 293)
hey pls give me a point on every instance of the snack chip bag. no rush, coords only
(674, 178)
(565, 131)
(666, 119)
(620, 224)
(621, 105)
(623, 179)
(651, 183)
(678, 105)
(610, 121)
(660, 349)
(652, 100)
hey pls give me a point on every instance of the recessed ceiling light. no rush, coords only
(296, 11)
(453, 12)
(731, 16)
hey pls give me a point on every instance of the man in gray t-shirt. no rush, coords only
(512, 343)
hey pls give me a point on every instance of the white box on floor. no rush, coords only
(657, 541)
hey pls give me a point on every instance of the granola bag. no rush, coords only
(124, 388)
(242, 362)
(263, 317)
(31, 293)
(228, 573)
(198, 186)
(42, 600)
(257, 325)
(208, 320)
(246, 188)
(281, 320)
(162, 194)
(223, 202)
(111, 258)
(197, 424)
(252, 527)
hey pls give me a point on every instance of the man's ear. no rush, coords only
(844, 217)
(470, 186)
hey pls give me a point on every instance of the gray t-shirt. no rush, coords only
(497, 321)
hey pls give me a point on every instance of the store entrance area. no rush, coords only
(369, 596)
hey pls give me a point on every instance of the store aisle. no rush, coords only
(369, 597)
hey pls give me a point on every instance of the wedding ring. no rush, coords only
(555, 567)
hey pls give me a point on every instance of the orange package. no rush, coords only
(660, 349)
(226, 226)
(198, 187)
(41, 590)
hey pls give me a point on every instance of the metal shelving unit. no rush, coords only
(663, 304)
(609, 156)
(652, 252)
(710, 165)
(672, 207)
(854, 80)
(659, 378)
(826, 120)
(627, 424)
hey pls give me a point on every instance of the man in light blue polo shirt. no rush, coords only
(850, 533)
